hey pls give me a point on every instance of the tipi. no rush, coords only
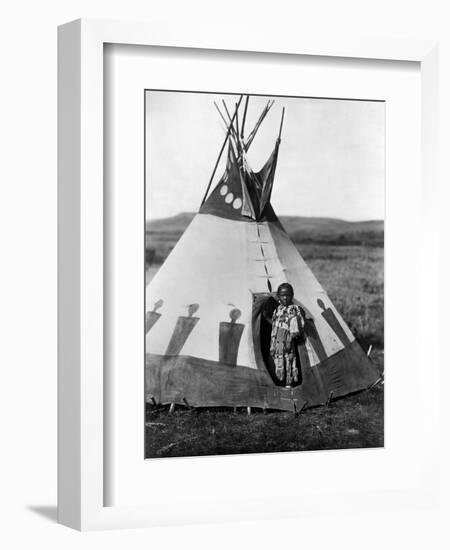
(206, 338)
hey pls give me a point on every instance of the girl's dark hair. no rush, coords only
(287, 286)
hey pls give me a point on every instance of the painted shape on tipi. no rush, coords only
(152, 316)
(330, 317)
(182, 330)
(230, 334)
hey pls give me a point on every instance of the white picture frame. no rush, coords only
(81, 482)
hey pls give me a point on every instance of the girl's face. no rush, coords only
(285, 297)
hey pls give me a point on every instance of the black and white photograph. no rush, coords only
(264, 259)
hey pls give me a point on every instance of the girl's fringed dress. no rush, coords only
(287, 324)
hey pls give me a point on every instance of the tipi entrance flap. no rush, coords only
(264, 304)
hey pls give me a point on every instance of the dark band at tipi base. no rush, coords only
(207, 338)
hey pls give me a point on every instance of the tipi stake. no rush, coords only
(186, 403)
(249, 410)
(330, 397)
(375, 383)
(172, 408)
(153, 400)
(302, 408)
(369, 350)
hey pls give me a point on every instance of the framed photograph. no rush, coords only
(243, 258)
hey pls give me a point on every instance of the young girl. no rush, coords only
(287, 325)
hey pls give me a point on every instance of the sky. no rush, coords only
(330, 163)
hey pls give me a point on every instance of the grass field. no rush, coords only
(348, 261)
(352, 422)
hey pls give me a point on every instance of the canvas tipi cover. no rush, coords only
(207, 339)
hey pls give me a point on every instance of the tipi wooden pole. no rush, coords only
(281, 124)
(244, 117)
(263, 115)
(237, 122)
(226, 122)
(227, 111)
(220, 154)
(233, 129)
(221, 115)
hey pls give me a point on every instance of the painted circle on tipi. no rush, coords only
(224, 190)
(229, 198)
(237, 203)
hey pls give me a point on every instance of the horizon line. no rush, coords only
(278, 215)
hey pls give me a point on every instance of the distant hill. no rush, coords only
(162, 235)
(300, 228)
(174, 224)
(296, 224)
(334, 231)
